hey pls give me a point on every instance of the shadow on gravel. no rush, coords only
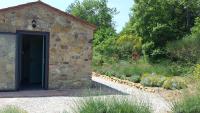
(97, 89)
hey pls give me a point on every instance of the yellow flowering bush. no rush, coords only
(196, 71)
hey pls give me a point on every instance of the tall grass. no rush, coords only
(12, 109)
(190, 103)
(126, 68)
(111, 106)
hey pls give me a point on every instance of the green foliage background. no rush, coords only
(164, 34)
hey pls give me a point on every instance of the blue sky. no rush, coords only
(123, 6)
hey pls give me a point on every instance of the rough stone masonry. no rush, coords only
(70, 51)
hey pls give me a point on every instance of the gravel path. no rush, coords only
(60, 103)
(158, 103)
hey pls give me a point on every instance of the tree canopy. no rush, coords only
(164, 20)
(152, 24)
(96, 12)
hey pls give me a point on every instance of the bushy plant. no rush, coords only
(127, 44)
(134, 78)
(177, 69)
(175, 83)
(196, 29)
(12, 109)
(190, 104)
(110, 73)
(157, 54)
(129, 71)
(186, 49)
(196, 71)
(130, 38)
(152, 80)
(161, 34)
(121, 76)
(97, 60)
(147, 49)
(111, 106)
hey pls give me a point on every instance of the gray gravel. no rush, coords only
(158, 103)
(66, 102)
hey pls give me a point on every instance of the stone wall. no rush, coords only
(7, 62)
(70, 49)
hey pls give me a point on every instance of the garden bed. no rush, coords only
(169, 95)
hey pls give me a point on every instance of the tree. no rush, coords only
(96, 12)
(172, 16)
(187, 49)
(196, 29)
(162, 21)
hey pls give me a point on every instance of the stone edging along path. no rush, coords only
(126, 82)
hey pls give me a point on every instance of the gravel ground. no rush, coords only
(158, 103)
(55, 102)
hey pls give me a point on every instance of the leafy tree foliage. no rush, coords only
(98, 13)
(164, 20)
(128, 44)
(196, 29)
(187, 49)
(154, 25)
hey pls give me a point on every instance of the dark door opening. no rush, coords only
(33, 63)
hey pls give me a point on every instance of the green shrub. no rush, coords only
(187, 105)
(152, 80)
(111, 106)
(196, 28)
(147, 48)
(158, 69)
(12, 109)
(175, 83)
(196, 71)
(127, 44)
(110, 73)
(134, 78)
(187, 49)
(132, 70)
(127, 71)
(97, 60)
(123, 77)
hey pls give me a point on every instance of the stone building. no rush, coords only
(44, 48)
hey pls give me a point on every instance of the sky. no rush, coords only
(123, 6)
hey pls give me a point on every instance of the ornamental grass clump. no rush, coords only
(174, 83)
(12, 109)
(188, 105)
(111, 106)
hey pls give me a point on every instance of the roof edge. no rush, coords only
(53, 8)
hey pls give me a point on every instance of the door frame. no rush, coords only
(18, 56)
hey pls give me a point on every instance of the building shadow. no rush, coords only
(96, 89)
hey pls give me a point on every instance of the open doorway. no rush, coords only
(33, 62)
